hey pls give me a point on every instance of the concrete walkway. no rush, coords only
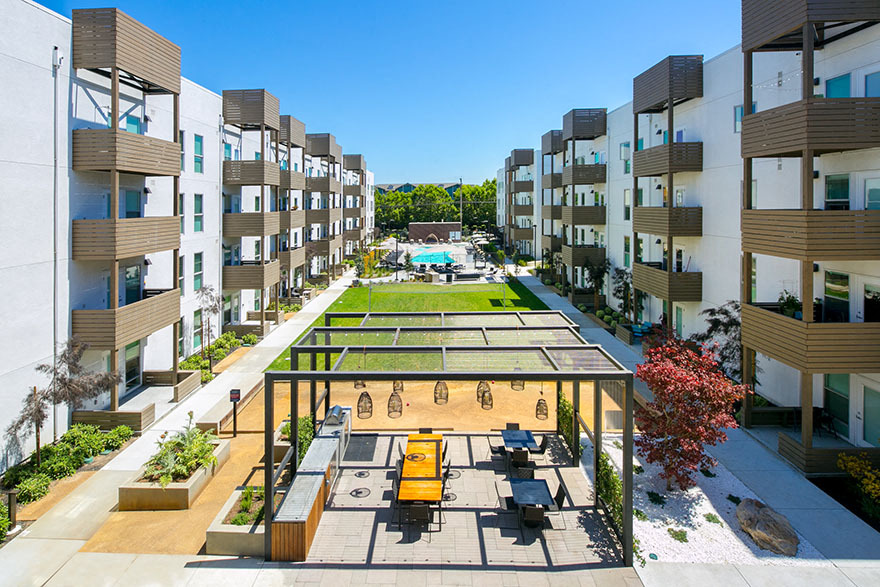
(48, 544)
(849, 543)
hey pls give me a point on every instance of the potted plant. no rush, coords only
(789, 304)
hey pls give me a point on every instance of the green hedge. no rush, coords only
(4, 520)
(565, 414)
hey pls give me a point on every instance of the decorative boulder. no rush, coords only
(769, 529)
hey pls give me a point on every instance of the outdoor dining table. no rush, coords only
(531, 492)
(421, 475)
(519, 439)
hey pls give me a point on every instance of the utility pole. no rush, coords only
(461, 204)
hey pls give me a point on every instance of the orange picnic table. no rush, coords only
(420, 479)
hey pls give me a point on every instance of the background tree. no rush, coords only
(724, 328)
(69, 383)
(359, 263)
(431, 203)
(211, 303)
(692, 406)
(408, 264)
(621, 287)
(596, 273)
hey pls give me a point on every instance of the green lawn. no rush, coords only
(421, 297)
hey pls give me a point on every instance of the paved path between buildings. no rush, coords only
(849, 543)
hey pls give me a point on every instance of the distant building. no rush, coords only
(435, 231)
(406, 188)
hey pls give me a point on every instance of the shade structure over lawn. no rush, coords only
(422, 353)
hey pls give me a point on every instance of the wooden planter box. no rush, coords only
(599, 322)
(232, 540)
(138, 496)
(625, 334)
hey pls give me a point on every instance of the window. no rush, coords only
(624, 156)
(838, 87)
(133, 124)
(181, 273)
(132, 204)
(836, 306)
(198, 153)
(180, 352)
(627, 202)
(639, 194)
(738, 116)
(197, 329)
(238, 154)
(257, 244)
(872, 194)
(837, 192)
(198, 214)
(665, 137)
(754, 278)
(227, 152)
(872, 85)
(256, 203)
(197, 271)
(257, 300)
(180, 201)
(836, 388)
(679, 318)
(284, 165)
(182, 153)
(640, 145)
(679, 136)
(626, 251)
(257, 156)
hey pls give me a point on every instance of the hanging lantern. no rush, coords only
(365, 406)
(395, 405)
(541, 412)
(360, 384)
(482, 387)
(398, 387)
(441, 393)
(486, 401)
(517, 385)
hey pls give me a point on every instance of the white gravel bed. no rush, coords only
(708, 542)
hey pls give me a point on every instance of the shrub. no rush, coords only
(713, 519)
(679, 535)
(638, 469)
(614, 324)
(33, 488)
(85, 438)
(306, 434)
(610, 489)
(656, 498)
(600, 314)
(18, 473)
(4, 521)
(565, 411)
(608, 310)
(207, 376)
(866, 479)
(218, 354)
(558, 286)
(582, 307)
(607, 319)
(247, 499)
(548, 282)
(114, 439)
(640, 515)
(249, 338)
(181, 455)
(62, 460)
(241, 519)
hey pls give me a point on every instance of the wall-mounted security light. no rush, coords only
(148, 190)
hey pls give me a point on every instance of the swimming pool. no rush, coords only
(440, 258)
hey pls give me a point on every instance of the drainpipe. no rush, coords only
(57, 59)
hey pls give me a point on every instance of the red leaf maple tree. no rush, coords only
(692, 405)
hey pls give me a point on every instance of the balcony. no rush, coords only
(353, 212)
(552, 212)
(291, 219)
(521, 157)
(325, 184)
(251, 109)
(292, 258)
(584, 123)
(520, 234)
(812, 347)
(551, 181)
(352, 234)
(673, 286)
(251, 224)
(107, 37)
(551, 142)
(293, 132)
(663, 159)
(292, 180)
(251, 173)
(551, 243)
(252, 274)
(522, 209)
(323, 145)
(779, 25)
(824, 125)
(335, 214)
(523, 185)
(106, 239)
(336, 243)
(113, 329)
(354, 162)
(675, 79)
(578, 255)
(107, 149)
(583, 174)
(580, 215)
(813, 235)
(318, 247)
(317, 216)
(668, 221)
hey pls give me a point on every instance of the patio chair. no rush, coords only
(495, 450)
(519, 458)
(445, 458)
(532, 516)
(558, 503)
(512, 426)
(505, 503)
(400, 453)
(541, 451)
(523, 473)
(426, 430)
(421, 514)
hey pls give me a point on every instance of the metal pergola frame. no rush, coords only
(330, 373)
(329, 316)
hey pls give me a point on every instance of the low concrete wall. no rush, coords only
(220, 415)
(139, 496)
(229, 539)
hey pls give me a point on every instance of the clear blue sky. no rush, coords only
(432, 91)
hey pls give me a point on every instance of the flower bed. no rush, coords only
(238, 529)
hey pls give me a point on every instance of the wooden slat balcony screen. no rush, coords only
(251, 224)
(354, 190)
(354, 162)
(249, 109)
(553, 243)
(113, 329)
(325, 184)
(521, 157)
(107, 239)
(584, 123)
(355, 212)
(680, 76)
(317, 216)
(336, 242)
(335, 214)
(813, 235)
(319, 247)
(812, 347)
(668, 221)
(551, 142)
(252, 276)
(550, 181)
(323, 145)
(107, 149)
(525, 185)
(825, 125)
(107, 37)
(352, 234)
(520, 234)
(583, 174)
(293, 132)
(251, 173)
(292, 180)
(676, 287)
(292, 258)
(551, 212)
(577, 256)
(777, 25)
(580, 215)
(297, 218)
(662, 159)
(820, 461)
(523, 209)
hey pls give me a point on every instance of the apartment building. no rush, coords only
(520, 223)
(147, 187)
(658, 186)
